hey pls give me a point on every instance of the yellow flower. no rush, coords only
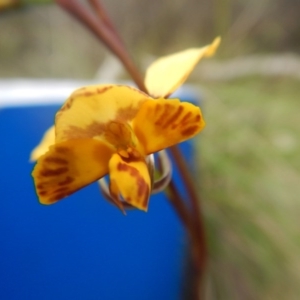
(111, 129)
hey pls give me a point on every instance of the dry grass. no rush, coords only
(250, 180)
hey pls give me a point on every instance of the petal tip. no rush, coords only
(212, 48)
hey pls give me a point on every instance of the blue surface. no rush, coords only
(81, 247)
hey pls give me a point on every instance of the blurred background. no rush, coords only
(248, 155)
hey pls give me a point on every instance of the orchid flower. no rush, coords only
(110, 129)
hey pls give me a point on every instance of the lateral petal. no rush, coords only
(47, 140)
(167, 73)
(87, 111)
(130, 179)
(163, 123)
(69, 166)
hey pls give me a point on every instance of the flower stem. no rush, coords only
(104, 17)
(105, 34)
(196, 269)
(195, 207)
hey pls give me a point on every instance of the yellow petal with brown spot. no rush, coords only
(69, 166)
(47, 141)
(167, 73)
(163, 123)
(131, 179)
(88, 110)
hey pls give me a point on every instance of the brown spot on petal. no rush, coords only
(128, 113)
(66, 181)
(146, 198)
(103, 89)
(186, 117)
(57, 160)
(66, 106)
(61, 150)
(197, 118)
(90, 131)
(190, 130)
(166, 112)
(51, 172)
(125, 114)
(142, 186)
(143, 191)
(138, 91)
(90, 91)
(82, 92)
(157, 108)
(62, 189)
(174, 117)
(124, 167)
